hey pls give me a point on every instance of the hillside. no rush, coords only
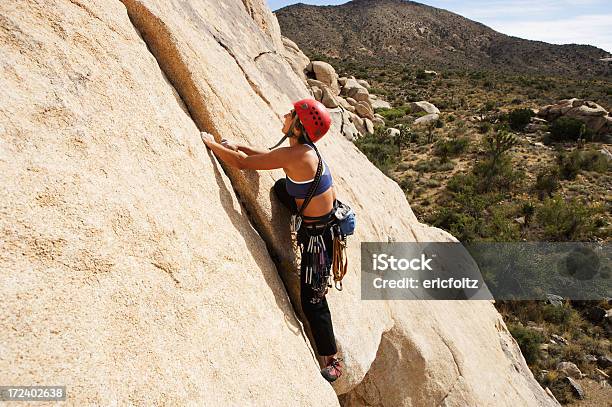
(383, 32)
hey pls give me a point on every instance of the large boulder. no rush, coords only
(593, 115)
(128, 237)
(426, 120)
(363, 83)
(379, 103)
(328, 98)
(359, 94)
(326, 73)
(364, 110)
(423, 106)
(131, 272)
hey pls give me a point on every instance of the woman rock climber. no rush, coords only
(304, 125)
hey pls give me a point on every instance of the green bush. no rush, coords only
(484, 127)
(557, 315)
(529, 341)
(547, 182)
(499, 175)
(565, 220)
(451, 147)
(570, 164)
(463, 226)
(379, 149)
(569, 128)
(519, 118)
(394, 113)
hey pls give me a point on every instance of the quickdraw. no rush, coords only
(317, 266)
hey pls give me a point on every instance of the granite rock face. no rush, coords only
(128, 248)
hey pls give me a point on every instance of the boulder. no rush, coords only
(342, 81)
(593, 115)
(351, 101)
(604, 361)
(328, 99)
(343, 102)
(369, 125)
(317, 93)
(349, 85)
(359, 94)
(554, 299)
(576, 388)
(569, 369)
(121, 233)
(314, 82)
(380, 104)
(378, 121)
(393, 132)
(326, 73)
(423, 106)
(364, 110)
(426, 120)
(363, 83)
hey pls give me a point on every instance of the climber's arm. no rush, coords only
(267, 161)
(248, 150)
(277, 158)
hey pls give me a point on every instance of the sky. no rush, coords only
(554, 21)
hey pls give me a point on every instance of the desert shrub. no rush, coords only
(547, 182)
(461, 225)
(496, 175)
(379, 149)
(564, 220)
(529, 341)
(570, 164)
(593, 160)
(569, 128)
(434, 165)
(519, 118)
(378, 91)
(556, 315)
(484, 127)
(451, 147)
(393, 113)
(407, 184)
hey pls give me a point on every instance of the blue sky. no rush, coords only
(553, 21)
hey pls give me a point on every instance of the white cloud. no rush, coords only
(587, 29)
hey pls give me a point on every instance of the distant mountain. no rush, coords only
(397, 31)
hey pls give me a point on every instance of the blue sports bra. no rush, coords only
(299, 189)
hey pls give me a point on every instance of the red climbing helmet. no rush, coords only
(314, 117)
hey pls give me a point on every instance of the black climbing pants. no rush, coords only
(315, 309)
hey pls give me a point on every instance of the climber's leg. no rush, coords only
(280, 189)
(317, 311)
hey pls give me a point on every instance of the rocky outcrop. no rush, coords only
(346, 93)
(593, 115)
(424, 106)
(128, 248)
(427, 119)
